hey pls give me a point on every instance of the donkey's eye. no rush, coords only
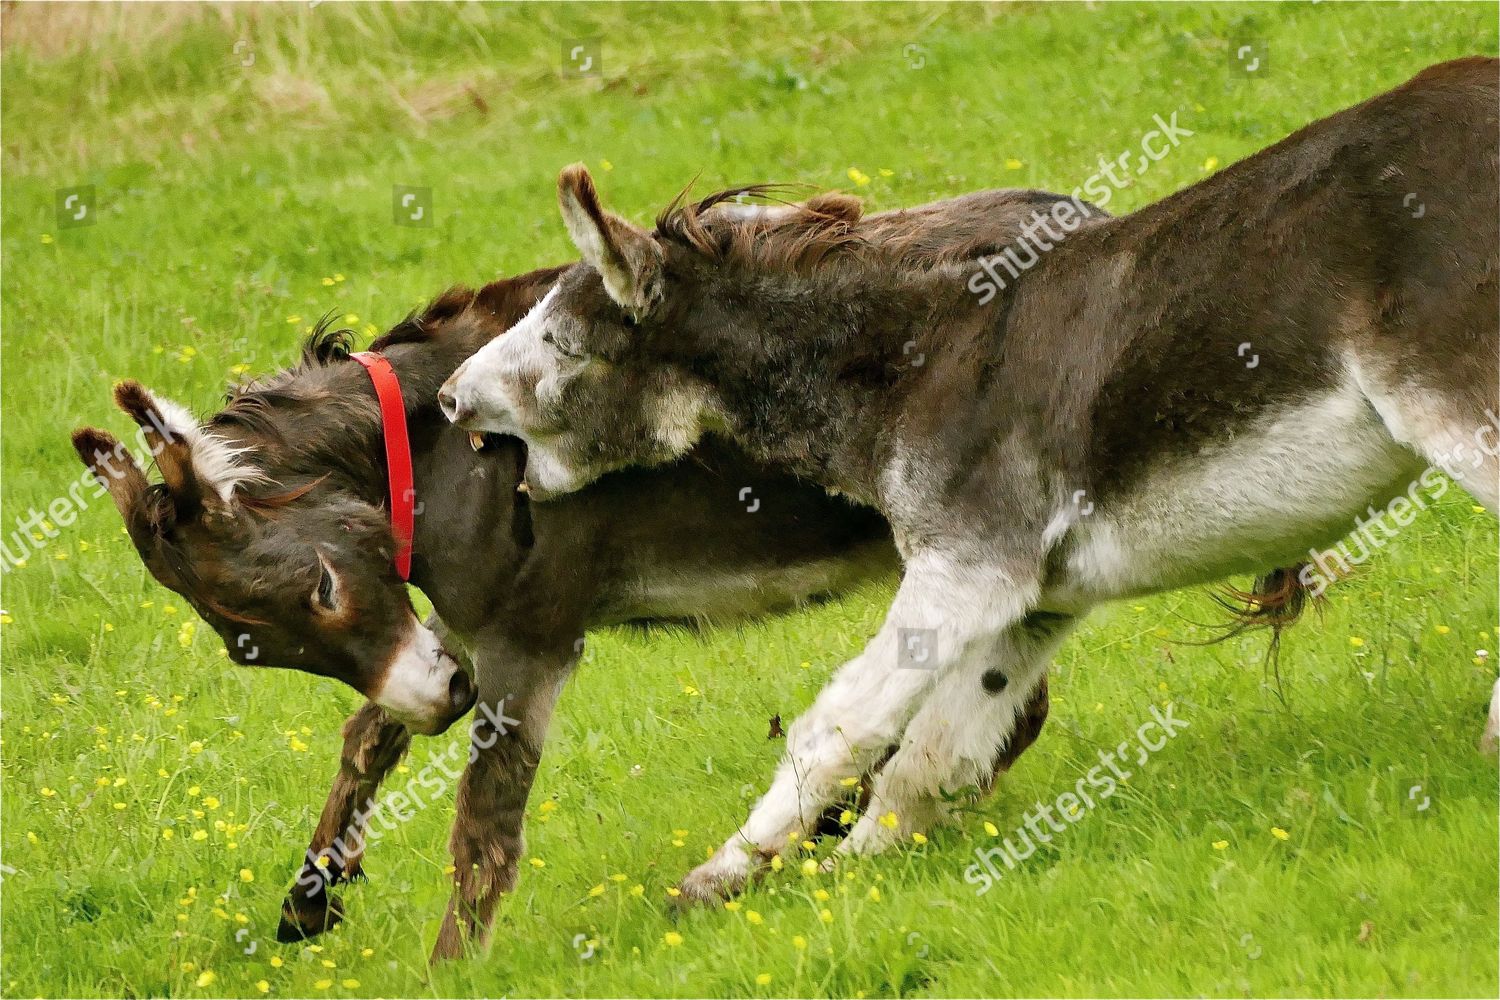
(551, 342)
(326, 589)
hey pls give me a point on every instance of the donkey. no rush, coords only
(1083, 430)
(270, 521)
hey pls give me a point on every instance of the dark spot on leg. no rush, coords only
(994, 681)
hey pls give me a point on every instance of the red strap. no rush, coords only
(397, 455)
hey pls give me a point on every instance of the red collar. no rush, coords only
(397, 454)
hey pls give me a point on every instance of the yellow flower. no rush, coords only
(1210, 163)
(776, 863)
(276, 961)
(763, 979)
(1356, 641)
(672, 939)
(246, 875)
(637, 890)
(46, 237)
(858, 176)
(809, 867)
(889, 821)
(846, 817)
(826, 916)
(200, 834)
(294, 319)
(205, 978)
(326, 963)
(323, 984)
(263, 986)
(754, 918)
(1219, 845)
(1443, 630)
(547, 807)
(887, 172)
(821, 895)
(1013, 164)
(799, 942)
(47, 793)
(366, 952)
(1279, 833)
(350, 319)
(848, 782)
(211, 802)
(918, 839)
(991, 829)
(874, 894)
(597, 890)
(349, 984)
(31, 838)
(731, 905)
(538, 863)
(673, 891)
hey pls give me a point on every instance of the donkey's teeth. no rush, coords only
(476, 440)
(523, 487)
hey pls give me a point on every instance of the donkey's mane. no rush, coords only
(803, 236)
(798, 236)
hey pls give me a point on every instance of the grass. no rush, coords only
(237, 202)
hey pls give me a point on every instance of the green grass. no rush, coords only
(230, 193)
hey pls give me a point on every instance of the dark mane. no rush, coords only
(796, 236)
(418, 326)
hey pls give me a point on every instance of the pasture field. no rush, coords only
(1327, 828)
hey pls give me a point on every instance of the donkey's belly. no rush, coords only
(1290, 482)
(726, 592)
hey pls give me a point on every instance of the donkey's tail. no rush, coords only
(1275, 600)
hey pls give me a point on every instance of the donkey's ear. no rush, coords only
(626, 257)
(115, 469)
(195, 464)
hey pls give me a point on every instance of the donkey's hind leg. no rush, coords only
(972, 718)
(1455, 428)
(373, 745)
(1028, 727)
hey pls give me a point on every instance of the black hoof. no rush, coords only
(303, 917)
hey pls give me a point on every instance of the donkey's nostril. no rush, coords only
(460, 691)
(449, 404)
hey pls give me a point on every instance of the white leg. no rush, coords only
(942, 609)
(953, 740)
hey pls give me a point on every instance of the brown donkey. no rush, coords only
(271, 521)
(1215, 384)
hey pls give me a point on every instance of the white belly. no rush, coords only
(1254, 503)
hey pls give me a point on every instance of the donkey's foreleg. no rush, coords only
(373, 745)
(864, 709)
(510, 724)
(971, 719)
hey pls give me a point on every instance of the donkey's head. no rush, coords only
(603, 372)
(295, 573)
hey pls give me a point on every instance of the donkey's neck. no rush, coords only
(326, 421)
(841, 355)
